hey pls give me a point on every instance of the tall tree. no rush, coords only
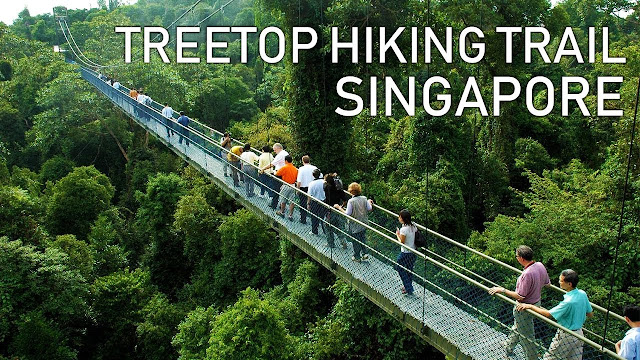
(77, 200)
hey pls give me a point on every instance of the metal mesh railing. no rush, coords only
(450, 281)
(492, 272)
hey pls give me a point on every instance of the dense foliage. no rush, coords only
(111, 248)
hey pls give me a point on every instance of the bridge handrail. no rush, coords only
(395, 242)
(498, 262)
(533, 313)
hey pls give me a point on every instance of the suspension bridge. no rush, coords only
(450, 308)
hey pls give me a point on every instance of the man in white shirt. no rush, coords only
(316, 200)
(142, 98)
(167, 112)
(305, 177)
(116, 85)
(140, 112)
(277, 163)
(281, 153)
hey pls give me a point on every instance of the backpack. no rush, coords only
(419, 240)
(338, 183)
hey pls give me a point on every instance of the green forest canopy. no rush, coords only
(139, 269)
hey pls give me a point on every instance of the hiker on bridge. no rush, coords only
(167, 112)
(305, 177)
(289, 174)
(406, 259)
(264, 161)
(316, 199)
(629, 347)
(571, 313)
(144, 99)
(358, 207)
(277, 163)
(528, 290)
(249, 161)
(225, 142)
(233, 156)
(184, 131)
(334, 195)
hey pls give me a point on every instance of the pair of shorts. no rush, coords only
(287, 194)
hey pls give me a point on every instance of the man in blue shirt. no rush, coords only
(316, 198)
(629, 347)
(570, 313)
(184, 121)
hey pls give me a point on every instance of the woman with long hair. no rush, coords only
(406, 259)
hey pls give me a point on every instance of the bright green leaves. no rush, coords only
(217, 101)
(250, 329)
(40, 294)
(192, 339)
(77, 199)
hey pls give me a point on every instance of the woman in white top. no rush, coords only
(406, 259)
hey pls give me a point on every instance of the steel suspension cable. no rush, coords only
(215, 12)
(72, 49)
(77, 47)
(91, 63)
(168, 27)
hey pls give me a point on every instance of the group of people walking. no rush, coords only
(571, 313)
(167, 112)
(319, 193)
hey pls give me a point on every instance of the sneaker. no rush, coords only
(356, 259)
(279, 214)
(365, 257)
(508, 350)
(291, 217)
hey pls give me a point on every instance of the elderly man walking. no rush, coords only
(277, 163)
(528, 291)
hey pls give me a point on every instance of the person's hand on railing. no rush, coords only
(496, 290)
(539, 310)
